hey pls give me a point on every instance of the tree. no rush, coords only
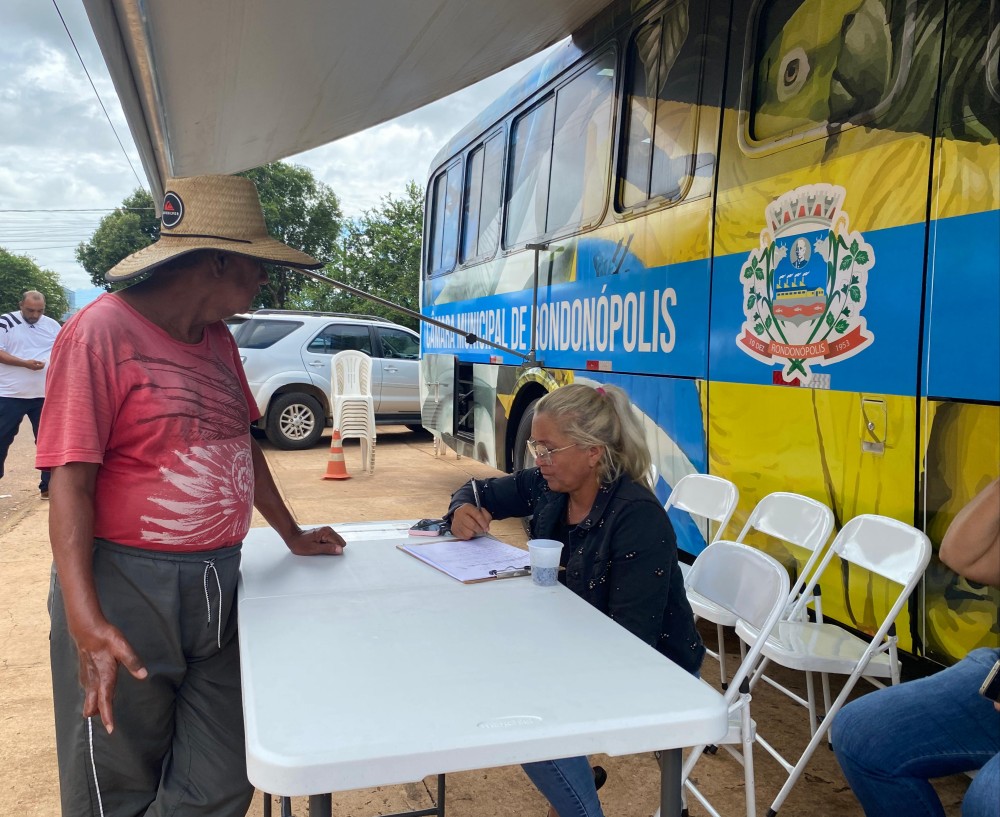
(19, 273)
(298, 210)
(380, 255)
(302, 212)
(128, 229)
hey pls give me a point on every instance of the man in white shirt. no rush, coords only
(26, 339)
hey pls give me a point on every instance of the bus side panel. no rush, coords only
(962, 330)
(809, 441)
(631, 297)
(962, 456)
(817, 278)
(672, 412)
(960, 438)
(885, 318)
(437, 393)
(962, 323)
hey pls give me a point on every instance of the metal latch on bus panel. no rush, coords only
(873, 426)
(434, 390)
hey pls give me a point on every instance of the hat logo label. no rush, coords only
(173, 210)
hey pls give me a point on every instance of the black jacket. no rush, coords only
(622, 558)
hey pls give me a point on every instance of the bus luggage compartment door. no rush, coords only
(437, 394)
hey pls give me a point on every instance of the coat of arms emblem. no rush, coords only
(805, 286)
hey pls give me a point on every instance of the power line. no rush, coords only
(30, 249)
(100, 101)
(84, 210)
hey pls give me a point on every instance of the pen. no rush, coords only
(479, 504)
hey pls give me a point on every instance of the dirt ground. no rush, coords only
(409, 482)
(19, 485)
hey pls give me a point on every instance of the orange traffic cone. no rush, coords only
(336, 468)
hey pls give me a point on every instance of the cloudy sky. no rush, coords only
(59, 154)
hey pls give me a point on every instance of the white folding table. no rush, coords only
(372, 669)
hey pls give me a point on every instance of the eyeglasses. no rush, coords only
(543, 454)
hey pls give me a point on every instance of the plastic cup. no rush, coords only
(544, 557)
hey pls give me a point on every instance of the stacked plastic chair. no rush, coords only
(353, 404)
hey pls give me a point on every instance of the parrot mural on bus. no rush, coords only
(822, 67)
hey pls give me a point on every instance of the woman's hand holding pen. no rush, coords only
(468, 521)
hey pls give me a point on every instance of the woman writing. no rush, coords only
(590, 491)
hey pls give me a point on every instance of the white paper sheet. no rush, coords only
(471, 560)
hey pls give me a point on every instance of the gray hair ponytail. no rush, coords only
(602, 417)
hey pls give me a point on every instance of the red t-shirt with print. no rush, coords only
(168, 422)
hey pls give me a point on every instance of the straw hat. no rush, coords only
(210, 213)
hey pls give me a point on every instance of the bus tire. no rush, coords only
(522, 457)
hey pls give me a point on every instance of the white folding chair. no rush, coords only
(886, 547)
(713, 499)
(751, 585)
(791, 518)
(352, 401)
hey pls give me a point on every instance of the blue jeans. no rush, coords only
(12, 411)
(568, 785)
(891, 742)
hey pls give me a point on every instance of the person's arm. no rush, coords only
(499, 498)
(101, 646)
(466, 519)
(8, 359)
(268, 501)
(971, 546)
(643, 546)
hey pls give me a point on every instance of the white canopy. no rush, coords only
(219, 86)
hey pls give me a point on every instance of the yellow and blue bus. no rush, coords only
(776, 224)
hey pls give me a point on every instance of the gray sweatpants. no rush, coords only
(178, 744)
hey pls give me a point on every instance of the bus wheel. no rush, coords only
(523, 458)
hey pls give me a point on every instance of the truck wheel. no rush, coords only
(294, 422)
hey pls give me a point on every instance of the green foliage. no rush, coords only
(380, 255)
(302, 212)
(127, 230)
(19, 273)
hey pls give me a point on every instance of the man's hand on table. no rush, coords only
(316, 542)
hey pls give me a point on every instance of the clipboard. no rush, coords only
(470, 561)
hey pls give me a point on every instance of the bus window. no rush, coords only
(662, 114)
(472, 201)
(581, 147)
(481, 214)
(814, 68)
(443, 233)
(560, 151)
(531, 151)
